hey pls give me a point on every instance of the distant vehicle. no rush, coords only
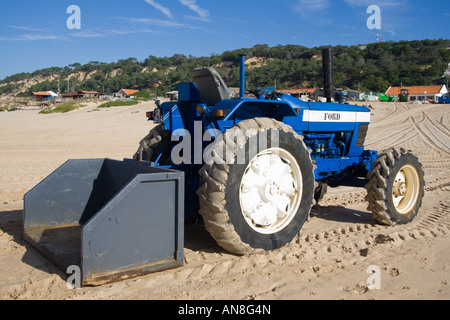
(404, 95)
(444, 99)
(341, 96)
(384, 98)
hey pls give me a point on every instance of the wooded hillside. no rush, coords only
(372, 67)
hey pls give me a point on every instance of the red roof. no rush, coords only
(72, 94)
(45, 94)
(415, 90)
(89, 92)
(129, 91)
(307, 90)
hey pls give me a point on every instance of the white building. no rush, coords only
(420, 93)
(126, 93)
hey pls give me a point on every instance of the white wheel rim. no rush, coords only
(405, 190)
(271, 190)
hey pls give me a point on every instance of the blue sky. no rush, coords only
(34, 34)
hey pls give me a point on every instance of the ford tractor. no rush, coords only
(249, 165)
(255, 161)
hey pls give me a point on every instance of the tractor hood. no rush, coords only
(335, 117)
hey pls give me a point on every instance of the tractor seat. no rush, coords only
(211, 86)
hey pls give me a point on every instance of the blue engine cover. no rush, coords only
(331, 117)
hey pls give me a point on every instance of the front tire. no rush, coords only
(396, 187)
(263, 203)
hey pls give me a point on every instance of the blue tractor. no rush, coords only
(254, 162)
(444, 99)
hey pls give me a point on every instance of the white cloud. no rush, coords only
(313, 5)
(153, 22)
(308, 7)
(315, 11)
(34, 34)
(71, 36)
(31, 37)
(160, 7)
(192, 4)
(392, 33)
(380, 3)
(28, 28)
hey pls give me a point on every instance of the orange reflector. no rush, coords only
(149, 114)
(201, 110)
(218, 113)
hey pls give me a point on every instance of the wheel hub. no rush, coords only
(405, 190)
(270, 191)
(399, 189)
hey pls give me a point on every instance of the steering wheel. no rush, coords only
(256, 92)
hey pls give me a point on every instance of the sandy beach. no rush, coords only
(329, 259)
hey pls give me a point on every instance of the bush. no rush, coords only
(143, 95)
(118, 104)
(62, 108)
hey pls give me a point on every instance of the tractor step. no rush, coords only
(112, 219)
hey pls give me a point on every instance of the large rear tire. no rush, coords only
(396, 187)
(155, 143)
(261, 204)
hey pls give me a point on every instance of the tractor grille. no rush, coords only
(362, 134)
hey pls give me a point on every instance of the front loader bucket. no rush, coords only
(114, 220)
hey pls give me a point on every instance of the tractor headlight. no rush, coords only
(201, 110)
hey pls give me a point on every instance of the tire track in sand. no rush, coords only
(322, 250)
(427, 132)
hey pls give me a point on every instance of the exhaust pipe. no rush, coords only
(328, 75)
(242, 76)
